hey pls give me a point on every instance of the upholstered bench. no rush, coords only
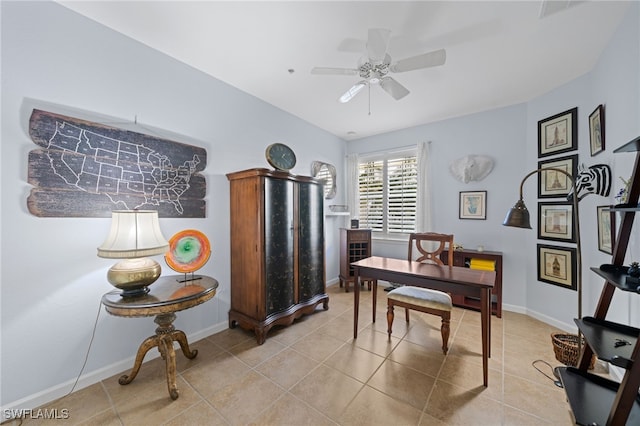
(424, 300)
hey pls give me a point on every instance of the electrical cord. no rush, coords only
(86, 357)
(84, 364)
(555, 381)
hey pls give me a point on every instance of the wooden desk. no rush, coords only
(455, 279)
(166, 297)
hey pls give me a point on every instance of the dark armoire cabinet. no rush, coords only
(277, 249)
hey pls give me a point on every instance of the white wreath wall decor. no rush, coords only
(471, 168)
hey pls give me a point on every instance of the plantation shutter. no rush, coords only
(402, 185)
(371, 187)
(388, 194)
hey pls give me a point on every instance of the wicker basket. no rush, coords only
(565, 347)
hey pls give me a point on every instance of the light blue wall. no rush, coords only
(497, 133)
(52, 280)
(615, 83)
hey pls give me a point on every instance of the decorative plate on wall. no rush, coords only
(188, 251)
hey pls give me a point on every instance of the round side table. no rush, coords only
(168, 295)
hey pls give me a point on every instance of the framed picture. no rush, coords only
(557, 265)
(596, 130)
(555, 221)
(554, 184)
(606, 229)
(558, 133)
(473, 205)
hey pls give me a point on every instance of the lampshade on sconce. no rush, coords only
(134, 235)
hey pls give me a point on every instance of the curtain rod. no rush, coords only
(394, 149)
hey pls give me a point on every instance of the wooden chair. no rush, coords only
(422, 299)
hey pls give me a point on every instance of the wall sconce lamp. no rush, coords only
(518, 217)
(134, 235)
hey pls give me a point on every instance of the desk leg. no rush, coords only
(356, 300)
(489, 309)
(485, 314)
(375, 298)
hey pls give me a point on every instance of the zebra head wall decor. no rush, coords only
(593, 180)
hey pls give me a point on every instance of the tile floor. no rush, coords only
(315, 373)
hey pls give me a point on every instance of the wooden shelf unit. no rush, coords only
(355, 244)
(593, 399)
(463, 258)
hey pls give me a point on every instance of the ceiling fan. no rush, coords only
(374, 68)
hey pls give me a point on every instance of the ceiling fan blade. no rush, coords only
(377, 44)
(352, 92)
(352, 45)
(392, 87)
(426, 60)
(334, 71)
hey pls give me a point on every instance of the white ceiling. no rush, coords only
(498, 53)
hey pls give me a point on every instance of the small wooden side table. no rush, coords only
(167, 296)
(355, 244)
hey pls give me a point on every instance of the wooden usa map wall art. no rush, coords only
(86, 169)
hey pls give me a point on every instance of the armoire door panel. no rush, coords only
(279, 233)
(311, 275)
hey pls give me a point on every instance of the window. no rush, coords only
(388, 188)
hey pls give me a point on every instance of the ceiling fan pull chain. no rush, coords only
(369, 86)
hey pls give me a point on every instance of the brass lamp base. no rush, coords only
(133, 276)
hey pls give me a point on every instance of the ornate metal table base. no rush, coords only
(167, 296)
(166, 334)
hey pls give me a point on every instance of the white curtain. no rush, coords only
(423, 201)
(353, 195)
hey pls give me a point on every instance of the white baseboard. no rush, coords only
(540, 317)
(51, 394)
(569, 328)
(514, 308)
(616, 373)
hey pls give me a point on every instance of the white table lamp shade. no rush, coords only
(134, 233)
